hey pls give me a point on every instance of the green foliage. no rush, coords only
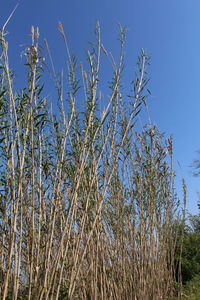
(191, 290)
(190, 256)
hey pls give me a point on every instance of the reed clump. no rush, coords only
(86, 199)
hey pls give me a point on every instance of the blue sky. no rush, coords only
(169, 30)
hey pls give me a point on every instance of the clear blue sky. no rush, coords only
(169, 30)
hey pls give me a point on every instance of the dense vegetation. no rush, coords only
(188, 258)
(87, 202)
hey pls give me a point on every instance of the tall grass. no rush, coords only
(86, 201)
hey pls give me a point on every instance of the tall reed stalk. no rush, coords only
(86, 200)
